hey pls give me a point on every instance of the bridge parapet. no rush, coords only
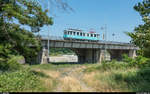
(59, 42)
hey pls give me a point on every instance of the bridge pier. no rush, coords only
(44, 58)
(132, 53)
(90, 55)
(101, 55)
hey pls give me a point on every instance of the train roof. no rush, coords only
(78, 30)
(91, 32)
(75, 30)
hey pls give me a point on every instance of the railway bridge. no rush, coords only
(90, 52)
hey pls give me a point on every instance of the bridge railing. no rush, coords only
(52, 37)
(100, 41)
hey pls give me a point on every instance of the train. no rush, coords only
(79, 35)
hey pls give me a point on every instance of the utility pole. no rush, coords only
(113, 36)
(48, 36)
(105, 41)
(105, 32)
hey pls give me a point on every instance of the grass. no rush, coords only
(117, 77)
(53, 66)
(26, 80)
(70, 84)
(137, 80)
(34, 78)
(105, 77)
(19, 81)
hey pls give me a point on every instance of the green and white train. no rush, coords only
(75, 34)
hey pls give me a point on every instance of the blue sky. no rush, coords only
(118, 15)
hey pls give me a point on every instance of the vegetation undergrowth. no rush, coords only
(53, 66)
(15, 77)
(18, 81)
(26, 80)
(11, 64)
(128, 75)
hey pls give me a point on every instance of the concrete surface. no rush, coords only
(64, 58)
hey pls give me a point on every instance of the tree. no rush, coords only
(61, 5)
(14, 38)
(141, 34)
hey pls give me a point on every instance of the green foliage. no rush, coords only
(126, 58)
(5, 51)
(122, 76)
(113, 65)
(11, 64)
(137, 80)
(142, 33)
(142, 61)
(14, 38)
(139, 61)
(23, 80)
(107, 66)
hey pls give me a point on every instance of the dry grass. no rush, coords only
(53, 74)
(100, 86)
(75, 79)
(48, 84)
(70, 84)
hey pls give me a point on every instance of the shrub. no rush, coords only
(142, 61)
(11, 64)
(139, 61)
(127, 59)
(22, 80)
(137, 80)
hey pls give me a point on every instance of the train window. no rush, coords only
(77, 33)
(74, 33)
(83, 34)
(94, 35)
(91, 35)
(80, 34)
(70, 33)
(65, 33)
(88, 35)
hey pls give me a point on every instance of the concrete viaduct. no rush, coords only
(90, 52)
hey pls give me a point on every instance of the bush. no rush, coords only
(139, 61)
(137, 80)
(22, 80)
(113, 65)
(127, 59)
(104, 66)
(142, 61)
(11, 64)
